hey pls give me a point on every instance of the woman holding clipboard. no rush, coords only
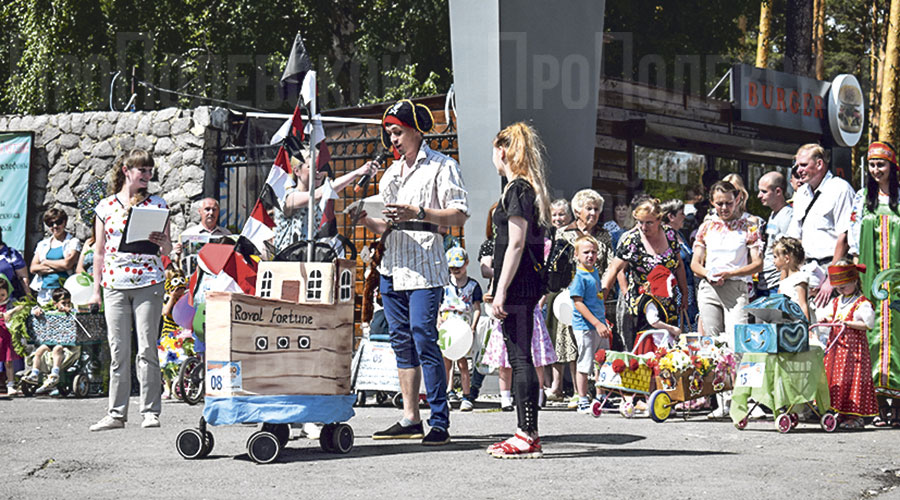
(132, 284)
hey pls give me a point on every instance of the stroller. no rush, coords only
(814, 389)
(628, 382)
(83, 335)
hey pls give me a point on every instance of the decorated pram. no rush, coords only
(627, 374)
(779, 368)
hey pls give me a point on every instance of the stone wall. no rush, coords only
(72, 150)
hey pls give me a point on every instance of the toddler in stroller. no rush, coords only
(50, 360)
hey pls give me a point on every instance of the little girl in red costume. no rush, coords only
(847, 363)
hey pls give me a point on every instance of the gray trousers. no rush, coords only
(143, 308)
(722, 307)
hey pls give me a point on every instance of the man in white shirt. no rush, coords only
(208, 226)
(421, 191)
(822, 209)
(772, 189)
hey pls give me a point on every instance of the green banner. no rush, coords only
(15, 163)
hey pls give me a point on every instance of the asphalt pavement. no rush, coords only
(49, 453)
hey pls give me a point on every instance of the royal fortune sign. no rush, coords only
(777, 99)
(15, 163)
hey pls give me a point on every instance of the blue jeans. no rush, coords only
(412, 319)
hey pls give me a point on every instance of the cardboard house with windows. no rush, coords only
(307, 282)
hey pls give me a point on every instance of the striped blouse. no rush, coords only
(415, 259)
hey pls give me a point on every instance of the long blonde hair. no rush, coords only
(525, 154)
(134, 159)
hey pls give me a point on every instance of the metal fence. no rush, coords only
(243, 171)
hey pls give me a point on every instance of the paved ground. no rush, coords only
(49, 453)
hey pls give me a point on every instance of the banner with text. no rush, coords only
(15, 164)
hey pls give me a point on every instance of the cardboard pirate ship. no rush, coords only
(294, 337)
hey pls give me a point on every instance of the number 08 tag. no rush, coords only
(223, 377)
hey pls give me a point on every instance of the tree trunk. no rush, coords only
(765, 27)
(798, 44)
(887, 129)
(876, 58)
(819, 35)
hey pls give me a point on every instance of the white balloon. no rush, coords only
(563, 307)
(81, 292)
(455, 338)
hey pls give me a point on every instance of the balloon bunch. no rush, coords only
(190, 317)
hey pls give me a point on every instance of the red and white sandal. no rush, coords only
(518, 446)
(499, 445)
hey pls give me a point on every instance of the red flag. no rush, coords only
(258, 228)
(297, 123)
(242, 272)
(324, 156)
(282, 160)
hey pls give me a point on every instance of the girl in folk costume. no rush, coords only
(847, 362)
(874, 226)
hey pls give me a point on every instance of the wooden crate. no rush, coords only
(679, 386)
(261, 346)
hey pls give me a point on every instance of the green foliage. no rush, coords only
(17, 324)
(60, 55)
(675, 31)
(403, 85)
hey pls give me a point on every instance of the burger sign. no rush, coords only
(845, 110)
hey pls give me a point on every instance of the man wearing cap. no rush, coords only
(821, 215)
(422, 190)
(772, 188)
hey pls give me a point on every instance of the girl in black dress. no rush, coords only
(521, 216)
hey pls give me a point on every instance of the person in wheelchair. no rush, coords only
(51, 359)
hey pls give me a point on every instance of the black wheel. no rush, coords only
(208, 444)
(81, 386)
(263, 447)
(397, 400)
(326, 438)
(190, 375)
(27, 389)
(380, 397)
(360, 398)
(342, 439)
(281, 431)
(190, 444)
(64, 387)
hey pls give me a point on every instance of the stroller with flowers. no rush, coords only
(687, 373)
(627, 374)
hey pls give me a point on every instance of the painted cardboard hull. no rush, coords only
(261, 346)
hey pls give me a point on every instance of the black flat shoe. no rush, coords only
(436, 437)
(398, 431)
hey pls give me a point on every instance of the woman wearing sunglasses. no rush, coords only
(55, 256)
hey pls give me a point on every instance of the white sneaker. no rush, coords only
(466, 405)
(757, 414)
(50, 383)
(721, 412)
(108, 423)
(150, 420)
